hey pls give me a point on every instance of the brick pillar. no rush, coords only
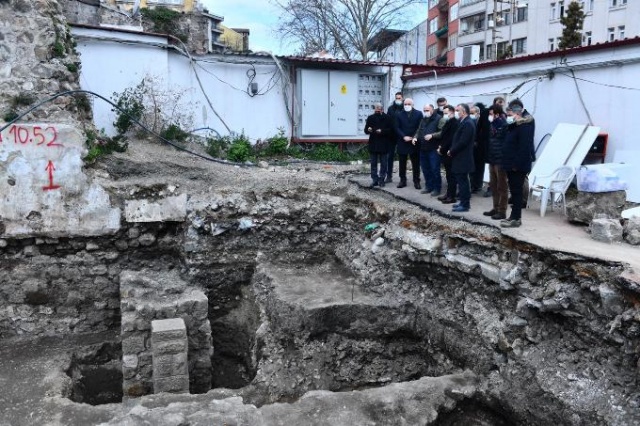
(169, 351)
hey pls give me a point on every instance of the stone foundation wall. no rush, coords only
(147, 297)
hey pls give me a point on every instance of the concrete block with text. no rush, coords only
(44, 190)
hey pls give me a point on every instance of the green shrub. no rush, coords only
(72, 67)
(130, 107)
(100, 144)
(217, 147)
(277, 145)
(174, 133)
(240, 149)
(328, 152)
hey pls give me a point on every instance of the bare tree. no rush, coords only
(341, 27)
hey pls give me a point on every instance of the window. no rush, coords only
(586, 38)
(431, 51)
(552, 45)
(453, 13)
(616, 3)
(433, 25)
(561, 9)
(520, 46)
(554, 12)
(587, 5)
(472, 24)
(433, 3)
(469, 2)
(520, 14)
(611, 35)
(453, 41)
(621, 32)
(502, 50)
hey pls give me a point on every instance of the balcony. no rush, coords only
(442, 59)
(442, 32)
(443, 5)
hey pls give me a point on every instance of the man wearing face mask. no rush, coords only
(479, 115)
(394, 109)
(441, 102)
(379, 127)
(517, 157)
(447, 125)
(461, 153)
(429, 158)
(407, 123)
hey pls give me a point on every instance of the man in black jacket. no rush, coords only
(407, 123)
(379, 127)
(447, 125)
(429, 158)
(461, 153)
(395, 108)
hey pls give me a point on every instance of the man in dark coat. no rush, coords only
(497, 176)
(448, 126)
(407, 123)
(517, 155)
(461, 153)
(379, 127)
(394, 109)
(429, 158)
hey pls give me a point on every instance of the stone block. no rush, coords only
(585, 207)
(632, 231)
(175, 384)
(133, 343)
(171, 347)
(170, 209)
(612, 301)
(607, 230)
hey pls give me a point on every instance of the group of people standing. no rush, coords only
(461, 140)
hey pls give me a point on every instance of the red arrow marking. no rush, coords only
(50, 168)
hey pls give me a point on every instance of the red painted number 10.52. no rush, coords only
(45, 137)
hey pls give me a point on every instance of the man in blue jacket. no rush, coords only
(407, 123)
(517, 156)
(461, 153)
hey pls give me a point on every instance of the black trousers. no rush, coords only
(415, 165)
(516, 182)
(451, 180)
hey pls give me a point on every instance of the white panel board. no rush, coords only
(343, 103)
(314, 102)
(568, 146)
(630, 174)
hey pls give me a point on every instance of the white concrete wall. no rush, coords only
(556, 99)
(114, 61)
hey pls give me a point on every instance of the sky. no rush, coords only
(261, 18)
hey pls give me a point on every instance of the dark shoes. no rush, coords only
(402, 184)
(381, 184)
(460, 209)
(416, 185)
(490, 212)
(425, 191)
(448, 201)
(499, 216)
(388, 180)
(510, 223)
(442, 197)
(373, 185)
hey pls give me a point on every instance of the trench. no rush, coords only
(312, 306)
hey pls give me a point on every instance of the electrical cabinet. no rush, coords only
(337, 103)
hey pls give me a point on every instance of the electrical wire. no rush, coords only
(613, 86)
(586, 110)
(168, 142)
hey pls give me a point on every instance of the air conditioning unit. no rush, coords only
(467, 55)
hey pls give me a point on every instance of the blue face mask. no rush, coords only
(511, 119)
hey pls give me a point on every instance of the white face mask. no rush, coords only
(473, 116)
(446, 117)
(511, 119)
(408, 108)
(456, 115)
(490, 118)
(427, 114)
(398, 102)
(441, 107)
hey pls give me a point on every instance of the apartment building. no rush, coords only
(177, 5)
(497, 29)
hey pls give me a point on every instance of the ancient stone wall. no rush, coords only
(38, 60)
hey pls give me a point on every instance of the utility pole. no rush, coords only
(494, 31)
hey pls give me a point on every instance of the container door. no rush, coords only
(314, 102)
(343, 103)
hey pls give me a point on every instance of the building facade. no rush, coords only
(177, 5)
(509, 28)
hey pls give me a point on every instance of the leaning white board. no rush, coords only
(568, 146)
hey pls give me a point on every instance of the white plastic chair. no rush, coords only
(552, 187)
